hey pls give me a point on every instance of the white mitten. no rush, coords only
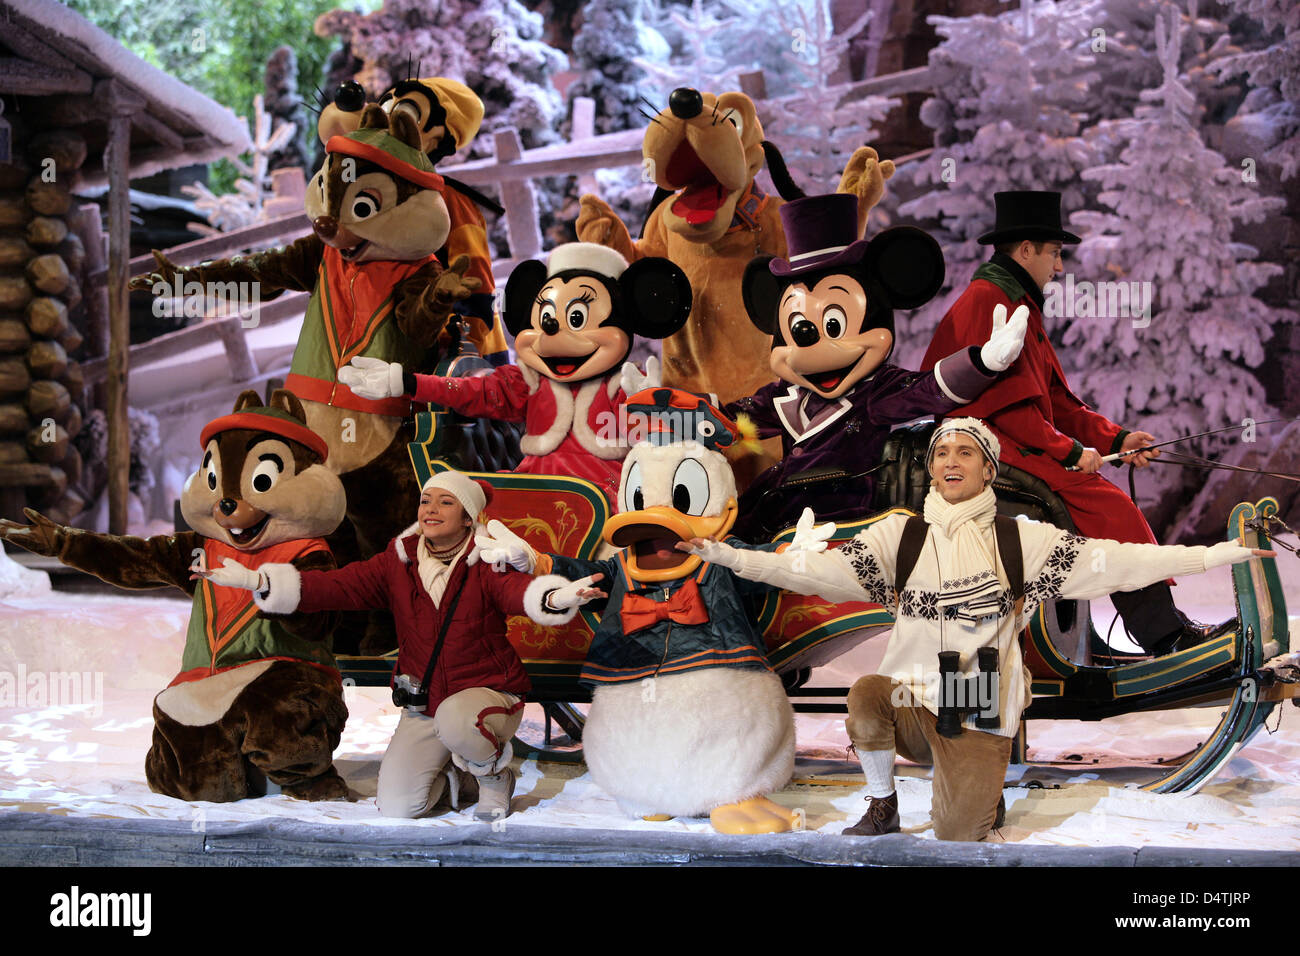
(1006, 339)
(715, 552)
(1226, 552)
(232, 574)
(498, 546)
(632, 381)
(574, 594)
(809, 538)
(373, 378)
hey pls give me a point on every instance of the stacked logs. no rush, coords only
(42, 265)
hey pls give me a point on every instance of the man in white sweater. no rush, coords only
(956, 597)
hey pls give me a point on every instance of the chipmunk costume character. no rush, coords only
(258, 698)
(377, 290)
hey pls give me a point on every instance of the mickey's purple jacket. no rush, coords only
(847, 434)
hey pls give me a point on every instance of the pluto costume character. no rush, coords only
(687, 717)
(377, 290)
(258, 698)
(704, 152)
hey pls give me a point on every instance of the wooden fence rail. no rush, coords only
(511, 170)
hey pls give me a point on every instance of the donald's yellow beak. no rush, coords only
(652, 534)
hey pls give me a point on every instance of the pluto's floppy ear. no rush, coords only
(761, 292)
(287, 401)
(908, 264)
(522, 287)
(656, 297)
(248, 399)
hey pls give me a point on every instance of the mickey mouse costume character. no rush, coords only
(573, 320)
(1041, 426)
(829, 309)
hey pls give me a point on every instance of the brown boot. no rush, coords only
(881, 817)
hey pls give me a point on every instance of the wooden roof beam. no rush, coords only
(37, 79)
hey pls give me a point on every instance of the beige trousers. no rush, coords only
(969, 769)
(474, 724)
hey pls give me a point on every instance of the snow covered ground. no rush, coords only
(83, 670)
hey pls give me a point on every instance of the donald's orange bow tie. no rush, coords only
(685, 606)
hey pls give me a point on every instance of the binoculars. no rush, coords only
(961, 696)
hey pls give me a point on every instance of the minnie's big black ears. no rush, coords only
(522, 287)
(908, 264)
(656, 297)
(761, 292)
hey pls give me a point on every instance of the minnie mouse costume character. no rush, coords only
(573, 320)
(829, 309)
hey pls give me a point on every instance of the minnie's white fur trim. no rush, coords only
(532, 378)
(587, 257)
(285, 589)
(549, 440)
(533, 601)
(582, 430)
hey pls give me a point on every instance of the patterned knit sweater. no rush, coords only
(1057, 564)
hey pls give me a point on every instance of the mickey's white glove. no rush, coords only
(232, 574)
(498, 546)
(715, 552)
(574, 594)
(373, 378)
(1227, 552)
(1006, 340)
(632, 381)
(809, 538)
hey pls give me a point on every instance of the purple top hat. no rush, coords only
(820, 232)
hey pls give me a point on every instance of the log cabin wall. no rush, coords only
(43, 323)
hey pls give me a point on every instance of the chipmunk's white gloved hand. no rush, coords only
(373, 378)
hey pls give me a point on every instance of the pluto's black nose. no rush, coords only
(686, 103)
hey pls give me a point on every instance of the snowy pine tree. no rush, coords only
(696, 39)
(818, 135)
(493, 46)
(606, 48)
(1006, 92)
(1273, 108)
(1172, 205)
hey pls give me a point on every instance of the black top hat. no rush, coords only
(1033, 214)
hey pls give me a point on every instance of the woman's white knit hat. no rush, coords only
(473, 495)
(973, 427)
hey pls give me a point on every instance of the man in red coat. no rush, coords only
(1043, 428)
